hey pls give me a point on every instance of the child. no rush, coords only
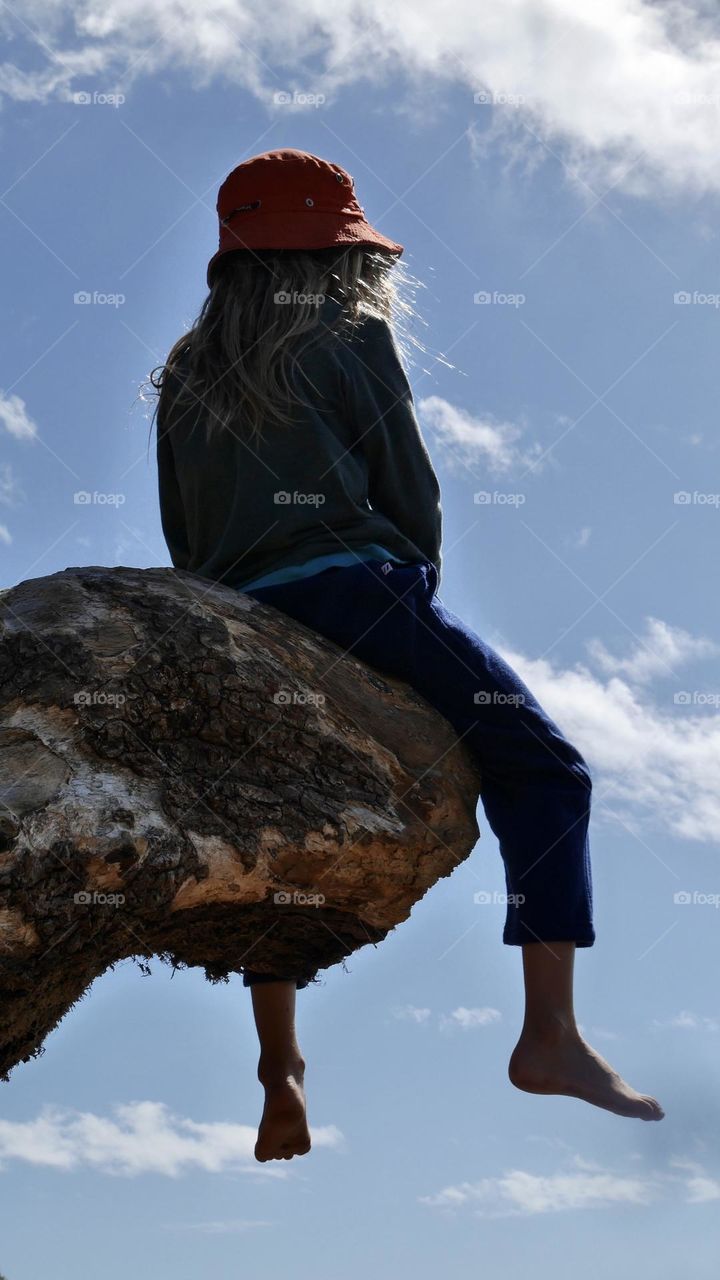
(292, 467)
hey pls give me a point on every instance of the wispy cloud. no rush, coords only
(584, 1185)
(518, 1192)
(466, 440)
(143, 1137)
(545, 67)
(460, 1019)
(411, 1013)
(656, 766)
(598, 1033)
(469, 1019)
(687, 1021)
(5, 535)
(660, 652)
(10, 490)
(701, 1189)
(15, 418)
(582, 537)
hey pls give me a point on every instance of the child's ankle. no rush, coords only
(274, 1068)
(550, 1025)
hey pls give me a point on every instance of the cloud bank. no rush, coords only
(625, 93)
(584, 1186)
(655, 758)
(143, 1137)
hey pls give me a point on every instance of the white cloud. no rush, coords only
(579, 538)
(687, 1021)
(5, 535)
(470, 1018)
(652, 765)
(15, 419)
(702, 1190)
(466, 440)
(607, 86)
(10, 491)
(411, 1013)
(144, 1137)
(586, 1185)
(519, 1192)
(663, 648)
(597, 1033)
(461, 1017)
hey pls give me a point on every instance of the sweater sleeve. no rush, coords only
(402, 481)
(172, 513)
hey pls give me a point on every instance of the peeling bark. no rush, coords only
(189, 774)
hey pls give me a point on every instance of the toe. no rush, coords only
(656, 1110)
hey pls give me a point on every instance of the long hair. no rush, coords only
(239, 358)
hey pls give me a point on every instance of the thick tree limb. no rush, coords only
(174, 755)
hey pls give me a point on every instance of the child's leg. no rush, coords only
(535, 789)
(551, 1055)
(283, 1129)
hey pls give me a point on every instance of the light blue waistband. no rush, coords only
(316, 565)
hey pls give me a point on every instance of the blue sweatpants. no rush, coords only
(535, 786)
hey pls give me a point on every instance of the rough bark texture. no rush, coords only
(175, 755)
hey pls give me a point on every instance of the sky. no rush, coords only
(553, 171)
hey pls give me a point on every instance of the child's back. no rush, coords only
(350, 476)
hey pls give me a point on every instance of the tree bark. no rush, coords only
(189, 774)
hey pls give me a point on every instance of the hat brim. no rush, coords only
(304, 229)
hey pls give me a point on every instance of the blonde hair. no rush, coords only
(240, 355)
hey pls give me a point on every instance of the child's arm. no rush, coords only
(172, 512)
(402, 482)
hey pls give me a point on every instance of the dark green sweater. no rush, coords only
(351, 470)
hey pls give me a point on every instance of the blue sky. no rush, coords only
(584, 184)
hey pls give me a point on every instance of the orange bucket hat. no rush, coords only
(291, 199)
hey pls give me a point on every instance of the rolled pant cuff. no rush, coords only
(518, 936)
(252, 979)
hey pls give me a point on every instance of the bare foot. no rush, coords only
(283, 1131)
(558, 1060)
